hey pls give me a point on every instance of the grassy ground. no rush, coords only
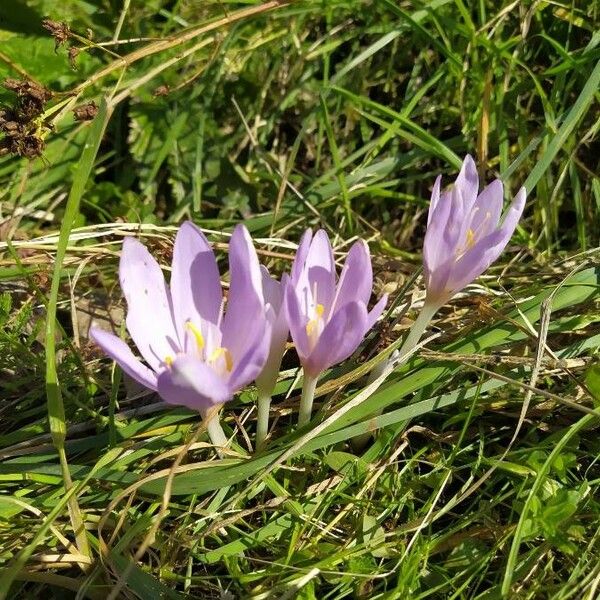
(481, 480)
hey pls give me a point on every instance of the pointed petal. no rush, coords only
(279, 336)
(267, 378)
(356, 278)
(192, 383)
(435, 197)
(435, 249)
(476, 260)
(301, 253)
(120, 352)
(455, 229)
(296, 320)
(375, 312)
(275, 313)
(509, 224)
(339, 339)
(251, 364)
(195, 284)
(272, 289)
(245, 299)
(487, 250)
(149, 314)
(467, 182)
(487, 209)
(316, 283)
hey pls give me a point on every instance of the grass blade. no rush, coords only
(56, 410)
(575, 114)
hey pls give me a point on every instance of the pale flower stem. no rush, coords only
(309, 386)
(215, 431)
(412, 339)
(262, 420)
(417, 329)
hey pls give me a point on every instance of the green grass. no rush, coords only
(481, 480)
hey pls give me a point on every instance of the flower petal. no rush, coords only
(245, 299)
(375, 312)
(276, 316)
(297, 320)
(195, 284)
(435, 249)
(476, 260)
(463, 235)
(487, 250)
(455, 230)
(149, 314)
(249, 366)
(509, 223)
(435, 197)
(464, 195)
(192, 383)
(487, 209)
(356, 279)
(300, 257)
(316, 283)
(339, 339)
(272, 289)
(120, 352)
(467, 182)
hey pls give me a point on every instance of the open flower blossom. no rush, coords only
(465, 232)
(196, 355)
(327, 320)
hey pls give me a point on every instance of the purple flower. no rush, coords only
(327, 320)
(195, 355)
(465, 232)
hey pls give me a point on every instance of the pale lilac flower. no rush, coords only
(465, 232)
(328, 320)
(195, 355)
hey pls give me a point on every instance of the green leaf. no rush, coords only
(143, 584)
(592, 381)
(577, 111)
(373, 537)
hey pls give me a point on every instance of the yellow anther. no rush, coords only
(220, 351)
(470, 238)
(168, 360)
(312, 324)
(197, 334)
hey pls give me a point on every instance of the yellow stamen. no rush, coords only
(168, 360)
(197, 334)
(312, 324)
(470, 238)
(220, 351)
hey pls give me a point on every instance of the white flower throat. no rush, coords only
(316, 324)
(220, 358)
